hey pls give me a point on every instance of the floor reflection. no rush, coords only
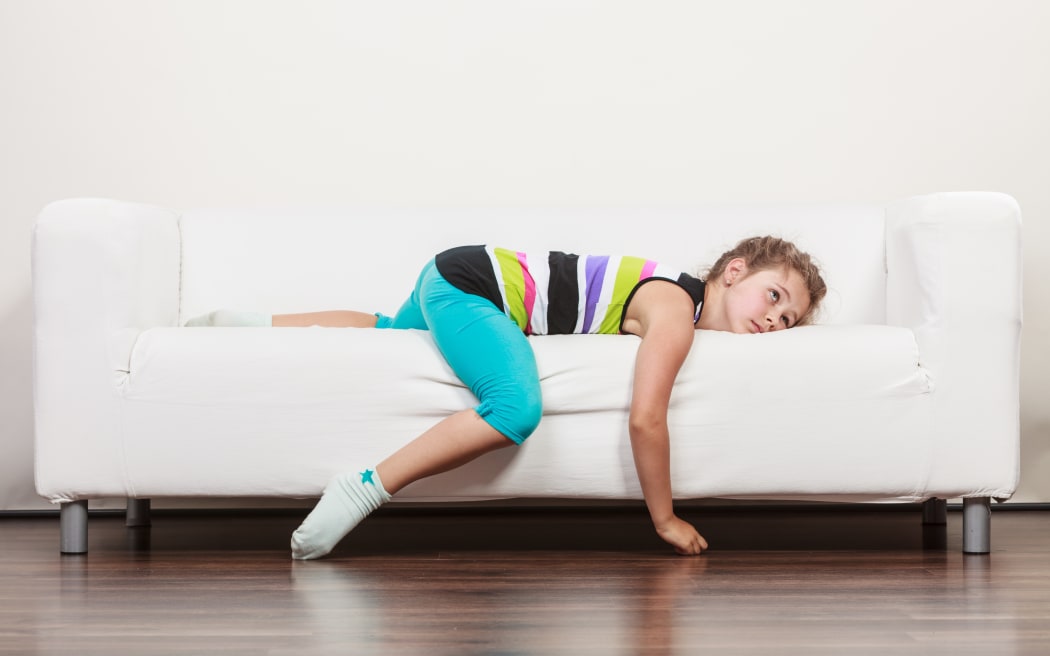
(602, 606)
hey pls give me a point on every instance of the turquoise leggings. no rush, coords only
(484, 347)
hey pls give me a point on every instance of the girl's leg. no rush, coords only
(409, 316)
(488, 352)
(352, 496)
(327, 319)
(452, 442)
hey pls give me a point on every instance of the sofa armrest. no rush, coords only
(953, 263)
(102, 272)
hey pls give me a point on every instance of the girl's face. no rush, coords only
(761, 301)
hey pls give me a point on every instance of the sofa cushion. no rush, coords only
(293, 406)
(303, 260)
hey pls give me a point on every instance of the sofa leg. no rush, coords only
(935, 511)
(977, 525)
(73, 520)
(137, 513)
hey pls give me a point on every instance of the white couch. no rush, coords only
(907, 391)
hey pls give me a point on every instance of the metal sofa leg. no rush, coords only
(137, 513)
(977, 525)
(935, 511)
(73, 519)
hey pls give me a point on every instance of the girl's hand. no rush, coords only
(682, 536)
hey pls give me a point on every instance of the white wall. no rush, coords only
(236, 102)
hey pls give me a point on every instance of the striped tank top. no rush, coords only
(560, 293)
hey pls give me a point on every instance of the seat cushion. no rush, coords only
(814, 411)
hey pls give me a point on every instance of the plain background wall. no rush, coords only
(566, 102)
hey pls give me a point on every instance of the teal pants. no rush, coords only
(484, 347)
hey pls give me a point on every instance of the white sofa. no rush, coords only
(906, 391)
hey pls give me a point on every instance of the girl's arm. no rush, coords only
(661, 314)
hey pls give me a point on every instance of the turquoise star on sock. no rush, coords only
(366, 476)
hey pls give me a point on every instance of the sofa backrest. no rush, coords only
(300, 260)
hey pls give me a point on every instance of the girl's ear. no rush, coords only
(736, 269)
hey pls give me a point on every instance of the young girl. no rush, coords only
(479, 304)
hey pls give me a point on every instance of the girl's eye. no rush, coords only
(787, 324)
(774, 294)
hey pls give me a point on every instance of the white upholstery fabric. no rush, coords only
(325, 400)
(955, 280)
(908, 391)
(368, 259)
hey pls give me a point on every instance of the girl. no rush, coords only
(480, 303)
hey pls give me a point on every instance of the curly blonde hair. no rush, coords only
(767, 252)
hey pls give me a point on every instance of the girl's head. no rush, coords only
(763, 284)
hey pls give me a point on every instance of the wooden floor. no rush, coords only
(529, 582)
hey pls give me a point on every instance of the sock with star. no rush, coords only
(347, 500)
(232, 318)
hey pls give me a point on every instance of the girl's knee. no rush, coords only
(516, 418)
(528, 416)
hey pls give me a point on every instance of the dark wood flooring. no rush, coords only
(556, 581)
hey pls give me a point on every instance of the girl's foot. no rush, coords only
(347, 500)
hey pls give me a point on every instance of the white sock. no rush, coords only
(347, 500)
(232, 318)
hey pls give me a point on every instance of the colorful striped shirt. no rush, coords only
(561, 293)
